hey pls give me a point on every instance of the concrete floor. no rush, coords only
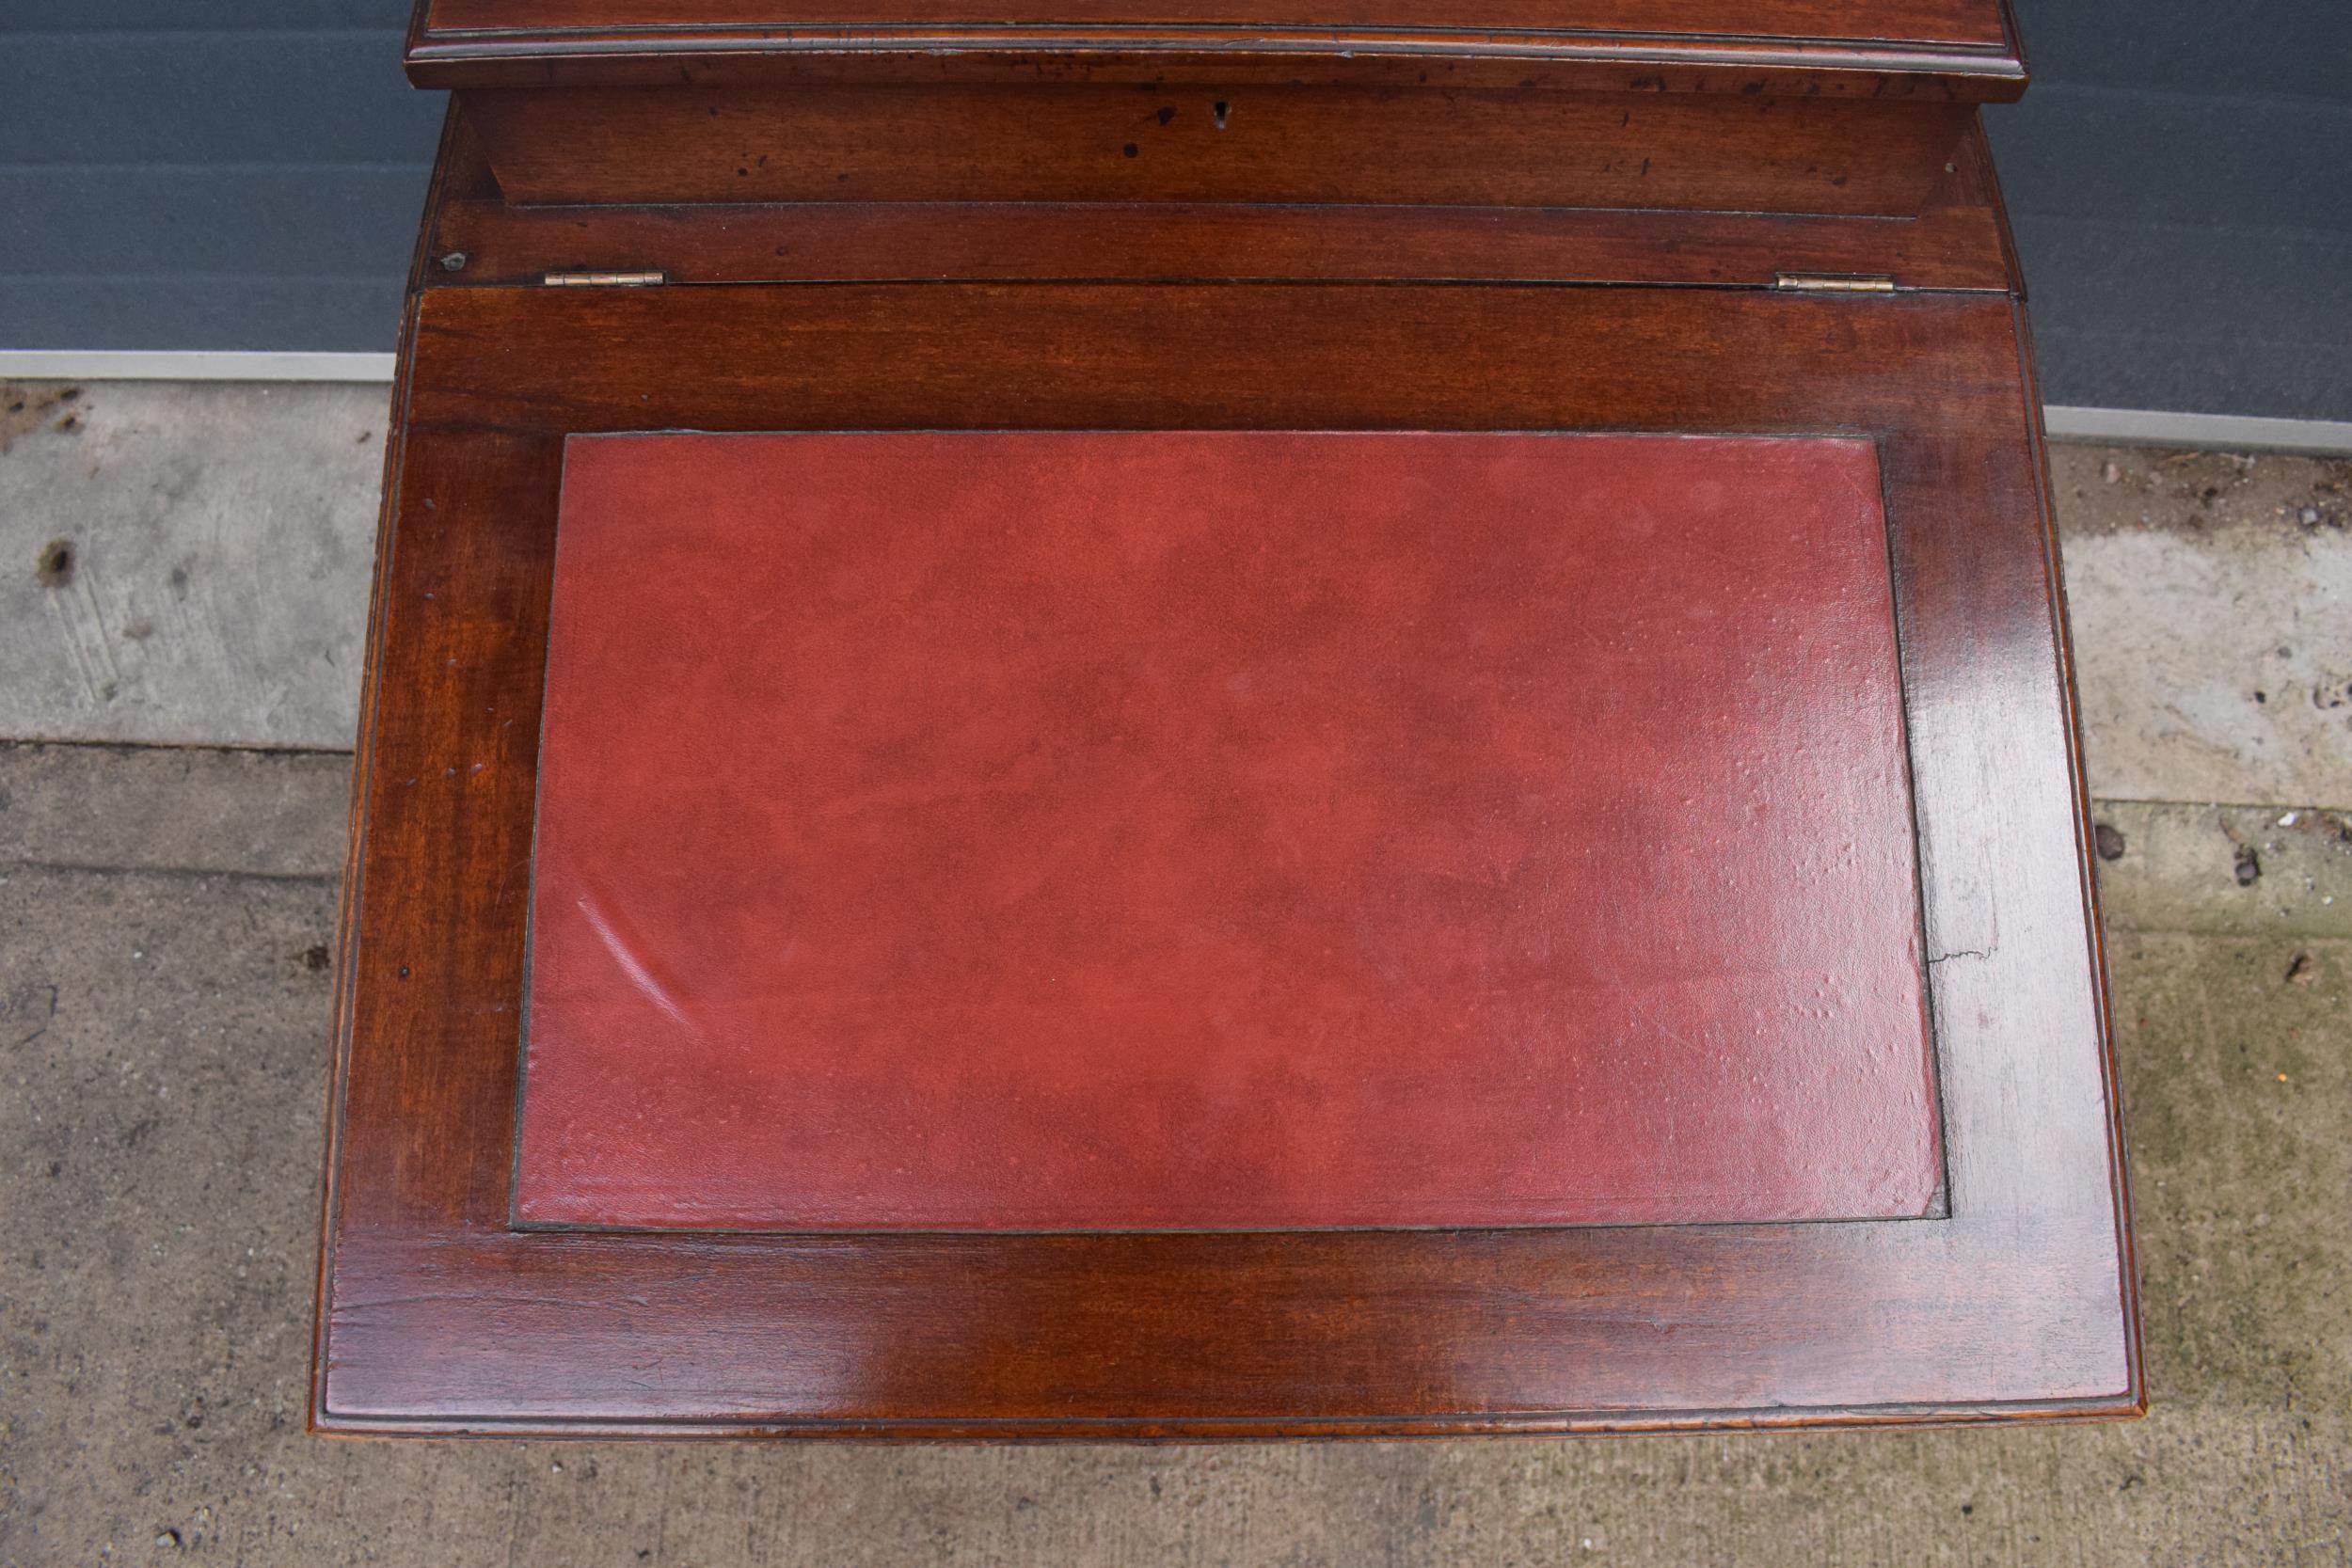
(166, 916)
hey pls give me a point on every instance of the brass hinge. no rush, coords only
(606, 279)
(1833, 283)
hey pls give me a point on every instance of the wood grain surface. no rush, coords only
(1952, 246)
(1095, 142)
(1963, 49)
(438, 1316)
(1958, 241)
(1946, 22)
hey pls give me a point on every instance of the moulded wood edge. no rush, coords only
(447, 61)
(2130, 1404)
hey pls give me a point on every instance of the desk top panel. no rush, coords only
(1080, 832)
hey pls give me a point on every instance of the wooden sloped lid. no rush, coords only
(1936, 49)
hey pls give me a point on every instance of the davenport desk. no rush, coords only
(1217, 721)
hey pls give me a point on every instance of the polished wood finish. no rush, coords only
(1963, 50)
(1414, 218)
(438, 1317)
(1957, 243)
(1949, 247)
(1959, 23)
(1827, 108)
(1215, 142)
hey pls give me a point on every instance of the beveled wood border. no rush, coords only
(437, 1318)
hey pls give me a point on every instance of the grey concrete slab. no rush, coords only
(162, 1067)
(2211, 599)
(185, 563)
(2225, 869)
(157, 808)
(218, 541)
(166, 921)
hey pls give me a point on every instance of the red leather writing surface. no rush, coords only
(1104, 831)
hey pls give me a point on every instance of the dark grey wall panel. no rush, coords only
(337, 315)
(2166, 158)
(2128, 315)
(2180, 179)
(235, 222)
(163, 16)
(210, 98)
(243, 174)
(247, 174)
(2242, 49)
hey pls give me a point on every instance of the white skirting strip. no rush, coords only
(2138, 427)
(2141, 427)
(40, 364)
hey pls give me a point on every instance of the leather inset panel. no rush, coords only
(996, 831)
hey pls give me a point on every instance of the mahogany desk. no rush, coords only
(1217, 722)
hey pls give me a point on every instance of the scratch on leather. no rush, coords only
(639, 976)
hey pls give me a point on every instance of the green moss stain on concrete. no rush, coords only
(2236, 1085)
